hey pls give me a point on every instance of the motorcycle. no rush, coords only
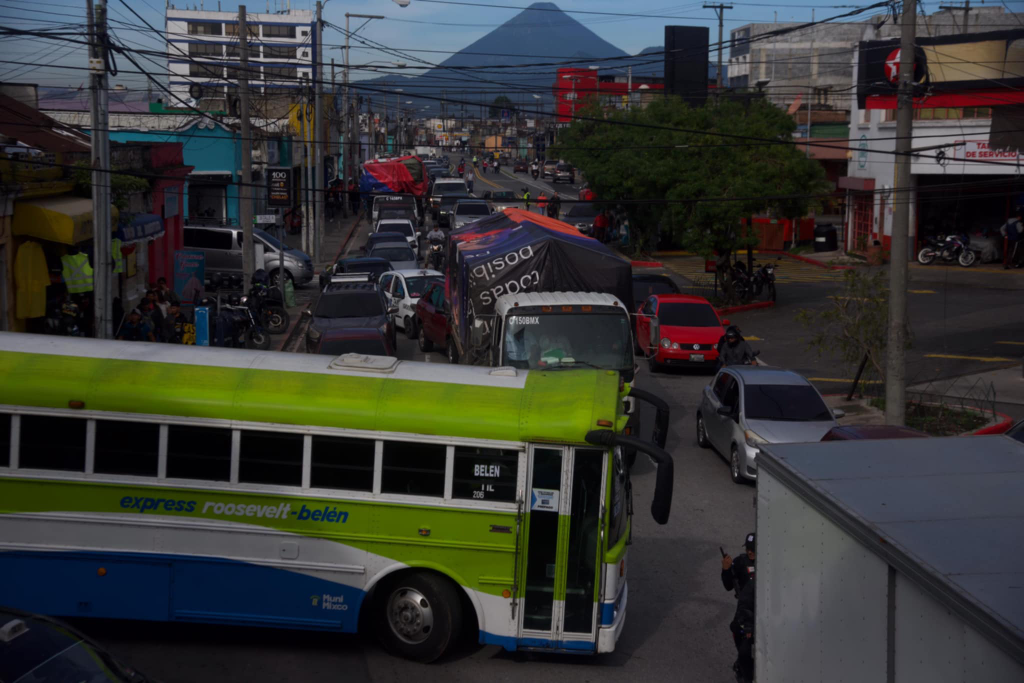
(64, 320)
(742, 283)
(268, 302)
(949, 248)
(764, 280)
(238, 324)
(436, 254)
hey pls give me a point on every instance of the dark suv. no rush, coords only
(348, 305)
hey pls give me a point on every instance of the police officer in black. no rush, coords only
(736, 573)
(738, 576)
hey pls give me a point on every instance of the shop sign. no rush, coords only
(279, 186)
(969, 150)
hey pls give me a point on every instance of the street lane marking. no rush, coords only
(983, 359)
(1009, 343)
(752, 338)
(836, 379)
(921, 291)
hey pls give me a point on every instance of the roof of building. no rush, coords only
(35, 129)
(946, 513)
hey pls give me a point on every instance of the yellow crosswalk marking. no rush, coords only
(1010, 343)
(983, 359)
(921, 291)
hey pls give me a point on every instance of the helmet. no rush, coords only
(234, 300)
(259, 276)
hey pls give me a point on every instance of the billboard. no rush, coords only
(964, 70)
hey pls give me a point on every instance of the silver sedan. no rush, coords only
(746, 406)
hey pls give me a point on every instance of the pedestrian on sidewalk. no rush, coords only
(353, 196)
(554, 206)
(601, 226)
(485, 166)
(470, 177)
(497, 165)
(542, 202)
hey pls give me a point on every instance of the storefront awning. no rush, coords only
(64, 219)
(143, 227)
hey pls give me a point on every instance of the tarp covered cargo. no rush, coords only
(402, 174)
(517, 251)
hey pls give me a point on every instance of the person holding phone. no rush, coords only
(736, 573)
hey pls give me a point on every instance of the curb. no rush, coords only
(997, 428)
(806, 259)
(647, 264)
(746, 307)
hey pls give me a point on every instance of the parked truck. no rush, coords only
(891, 560)
(531, 292)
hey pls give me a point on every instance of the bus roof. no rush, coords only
(381, 394)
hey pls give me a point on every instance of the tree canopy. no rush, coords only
(677, 173)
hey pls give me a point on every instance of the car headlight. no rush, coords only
(753, 439)
(314, 333)
(665, 343)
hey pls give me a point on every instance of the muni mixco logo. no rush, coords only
(330, 602)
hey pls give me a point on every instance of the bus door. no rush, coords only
(562, 581)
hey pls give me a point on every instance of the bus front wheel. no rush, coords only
(418, 616)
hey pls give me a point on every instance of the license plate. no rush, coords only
(697, 357)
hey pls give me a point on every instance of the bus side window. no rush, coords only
(127, 448)
(485, 474)
(52, 443)
(198, 453)
(270, 458)
(415, 469)
(342, 463)
(5, 439)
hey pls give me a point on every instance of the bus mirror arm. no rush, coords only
(662, 502)
(660, 431)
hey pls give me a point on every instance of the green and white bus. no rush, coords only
(170, 483)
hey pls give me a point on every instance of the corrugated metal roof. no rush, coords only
(36, 129)
(945, 512)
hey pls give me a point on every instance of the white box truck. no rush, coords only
(895, 561)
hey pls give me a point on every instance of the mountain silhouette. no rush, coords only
(549, 38)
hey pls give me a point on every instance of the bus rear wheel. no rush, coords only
(418, 616)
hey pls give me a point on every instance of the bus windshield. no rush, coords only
(550, 340)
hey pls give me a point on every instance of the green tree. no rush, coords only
(676, 174)
(854, 325)
(500, 102)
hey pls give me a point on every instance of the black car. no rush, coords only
(37, 648)
(646, 284)
(349, 305)
(373, 267)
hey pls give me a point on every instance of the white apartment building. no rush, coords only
(202, 50)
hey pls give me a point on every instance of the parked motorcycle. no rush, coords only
(238, 323)
(267, 300)
(742, 283)
(764, 281)
(949, 248)
(65, 319)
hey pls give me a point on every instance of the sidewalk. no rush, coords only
(1007, 384)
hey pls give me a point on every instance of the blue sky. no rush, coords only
(421, 25)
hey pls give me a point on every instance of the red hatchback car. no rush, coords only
(688, 329)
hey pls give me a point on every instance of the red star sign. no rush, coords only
(892, 66)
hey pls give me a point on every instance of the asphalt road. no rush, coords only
(677, 615)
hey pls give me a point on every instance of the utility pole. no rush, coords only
(245, 190)
(967, 13)
(318, 136)
(304, 117)
(629, 86)
(895, 375)
(810, 91)
(101, 280)
(720, 11)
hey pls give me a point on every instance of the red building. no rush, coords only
(574, 88)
